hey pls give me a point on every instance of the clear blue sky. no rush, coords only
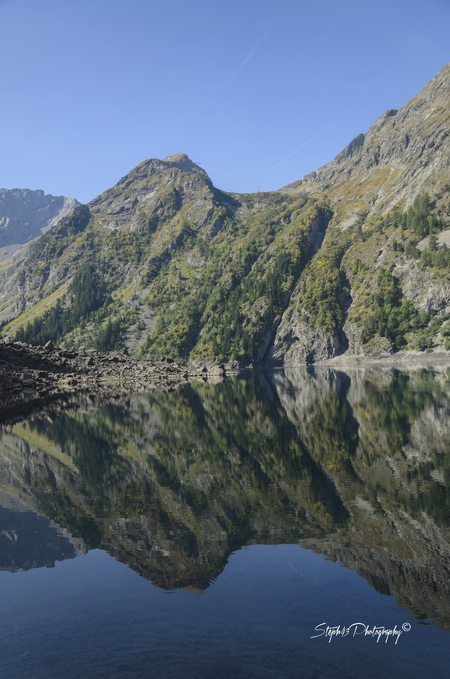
(259, 93)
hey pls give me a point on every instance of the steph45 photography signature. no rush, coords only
(379, 632)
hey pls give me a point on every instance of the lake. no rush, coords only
(283, 524)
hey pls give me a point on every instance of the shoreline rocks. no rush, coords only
(37, 380)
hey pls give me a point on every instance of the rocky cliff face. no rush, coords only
(155, 191)
(375, 179)
(406, 152)
(26, 214)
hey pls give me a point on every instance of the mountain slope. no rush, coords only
(185, 268)
(352, 259)
(375, 186)
(403, 154)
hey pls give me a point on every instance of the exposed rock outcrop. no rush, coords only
(156, 190)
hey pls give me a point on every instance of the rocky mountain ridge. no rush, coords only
(152, 191)
(406, 152)
(26, 214)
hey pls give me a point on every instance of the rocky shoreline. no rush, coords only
(37, 380)
(44, 380)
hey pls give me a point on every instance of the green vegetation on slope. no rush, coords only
(393, 315)
(87, 300)
(200, 274)
(221, 306)
(380, 305)
(86, 294)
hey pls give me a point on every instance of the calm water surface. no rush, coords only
(227, 530)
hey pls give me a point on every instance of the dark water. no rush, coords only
(229, 530)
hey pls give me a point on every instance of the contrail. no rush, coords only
(247, 59)
(300, 147)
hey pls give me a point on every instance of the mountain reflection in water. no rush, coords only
(354, 466)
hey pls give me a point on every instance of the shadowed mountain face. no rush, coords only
(26, 214)
(354, 466)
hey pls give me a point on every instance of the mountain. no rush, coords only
(405, 153)
(351, 259)
(26, 214)
(154, 191)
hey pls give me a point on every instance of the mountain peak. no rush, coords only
(183, 162)
(153, 189)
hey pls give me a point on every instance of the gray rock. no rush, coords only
(26, 214)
